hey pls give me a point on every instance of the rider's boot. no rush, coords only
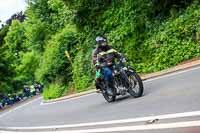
(98, 88)
(111, 90)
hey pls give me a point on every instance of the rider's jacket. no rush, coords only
(104, 55)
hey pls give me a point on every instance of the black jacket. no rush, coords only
(104, 54)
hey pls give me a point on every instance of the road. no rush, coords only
(170, 104)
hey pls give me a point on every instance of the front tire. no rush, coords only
(136, 86)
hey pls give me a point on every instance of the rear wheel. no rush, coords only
(105, 94)
(108, 97)
(135, 84)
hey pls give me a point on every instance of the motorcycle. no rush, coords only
(125, 80)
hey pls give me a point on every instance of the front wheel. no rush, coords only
(136, 85)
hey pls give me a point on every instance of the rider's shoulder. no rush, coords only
(95, 50)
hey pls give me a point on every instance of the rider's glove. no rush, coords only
(104, 64)
(98, 66)
(123, 60)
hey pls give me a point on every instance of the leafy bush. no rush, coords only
(26, 69)
(15, 39)
(53, 90)
(175, 40)
(54, 65)
(82, 70)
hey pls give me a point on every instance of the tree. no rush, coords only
(19, 16)
(15, 39)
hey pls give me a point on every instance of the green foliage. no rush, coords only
(6, 60)
(165, 7)
(5, 88)
(26, 69)
(54, 66)
(15, 38)
(175, 40)
(3, 32)
(51, 12)
(82, 68)
(53, 90)
(36, 33)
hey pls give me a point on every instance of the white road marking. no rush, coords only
(6, 113)
(172, 74)
(132, 120)
(127, 128)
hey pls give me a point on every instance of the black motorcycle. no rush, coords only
(125, 80)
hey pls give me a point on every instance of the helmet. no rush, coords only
(100, 39)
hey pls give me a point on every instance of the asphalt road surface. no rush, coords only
(170, 104)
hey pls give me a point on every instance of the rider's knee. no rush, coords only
(108, 72)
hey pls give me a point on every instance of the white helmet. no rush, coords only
(100, 39)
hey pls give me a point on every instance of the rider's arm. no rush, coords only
(118, 54)
(94, 57)
(99, 61)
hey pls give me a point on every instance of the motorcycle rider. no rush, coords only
(103, 56)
